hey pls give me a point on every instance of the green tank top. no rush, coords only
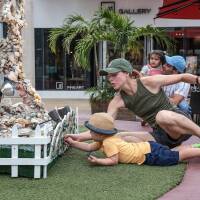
(146, 104)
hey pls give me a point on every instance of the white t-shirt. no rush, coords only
(180, 88)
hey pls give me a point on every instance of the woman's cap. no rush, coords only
(101, 123)
(178, 62)
(117, 65)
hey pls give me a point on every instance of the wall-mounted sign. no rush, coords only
(59, 85)
(138, 11)
(110, 5)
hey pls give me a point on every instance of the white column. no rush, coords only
(104, 54)
(28, 43)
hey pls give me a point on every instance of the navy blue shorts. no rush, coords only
(161, 155)
(163, 138)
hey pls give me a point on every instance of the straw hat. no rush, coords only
(101, 123)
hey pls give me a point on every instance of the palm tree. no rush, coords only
(108, 26)
(125, 37)
(83, 32)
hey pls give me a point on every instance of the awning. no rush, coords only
(180, 9)
(186, 33)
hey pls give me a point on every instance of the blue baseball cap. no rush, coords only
(178, 62)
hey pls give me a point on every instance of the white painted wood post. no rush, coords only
(76, 120)
(14, 152)
(37, 168)
(46, 129)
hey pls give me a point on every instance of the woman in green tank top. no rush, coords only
(146, 99)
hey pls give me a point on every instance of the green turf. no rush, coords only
(72, 178)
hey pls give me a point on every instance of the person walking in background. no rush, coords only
(156, 59)
(116, 150)
(177, 92)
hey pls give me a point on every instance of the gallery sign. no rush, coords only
(110, 5)
(138, 11)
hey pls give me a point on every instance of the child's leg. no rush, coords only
(136, 136)
(187, 152)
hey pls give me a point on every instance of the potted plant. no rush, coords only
(100, 96)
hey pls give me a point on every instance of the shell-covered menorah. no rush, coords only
(12, 76)
(11, 52)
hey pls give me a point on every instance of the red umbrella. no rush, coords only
(180, 9)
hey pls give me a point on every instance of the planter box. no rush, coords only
(126, 114)
(34, 152)
(99, 107)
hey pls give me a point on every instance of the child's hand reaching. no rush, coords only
(68, 140)
(75, 137)
(93, 160)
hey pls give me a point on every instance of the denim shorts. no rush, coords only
(163, 138)
(161, 155)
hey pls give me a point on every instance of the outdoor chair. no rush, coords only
(195, 105)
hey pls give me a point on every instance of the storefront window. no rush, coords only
(57, 72)
(135, 59)
(187, 44)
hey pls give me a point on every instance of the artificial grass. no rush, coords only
(72, 178)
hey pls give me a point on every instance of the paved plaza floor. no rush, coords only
(188, 188)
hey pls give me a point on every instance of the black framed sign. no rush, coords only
(110, 5)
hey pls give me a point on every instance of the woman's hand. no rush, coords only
(136, 74)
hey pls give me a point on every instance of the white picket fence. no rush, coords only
(40, 139)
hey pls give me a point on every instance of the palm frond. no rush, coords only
(82, 52)
(70, 35)
(54, 36)
(157, 33)
(75, 19)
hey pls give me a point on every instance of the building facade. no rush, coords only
(57, 76)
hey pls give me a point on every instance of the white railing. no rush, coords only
(40, 138)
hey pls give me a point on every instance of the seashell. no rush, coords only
(12, 76)
(25, 132)
(23, 122)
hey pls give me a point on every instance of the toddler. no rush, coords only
(116, 150)
(156, 59)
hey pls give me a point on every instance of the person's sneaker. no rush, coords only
(63, 111)
(196, 145)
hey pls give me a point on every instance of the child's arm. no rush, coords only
(82, 145)
(113, 160)
(84, 136)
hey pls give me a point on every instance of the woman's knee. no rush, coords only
(164, 117)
